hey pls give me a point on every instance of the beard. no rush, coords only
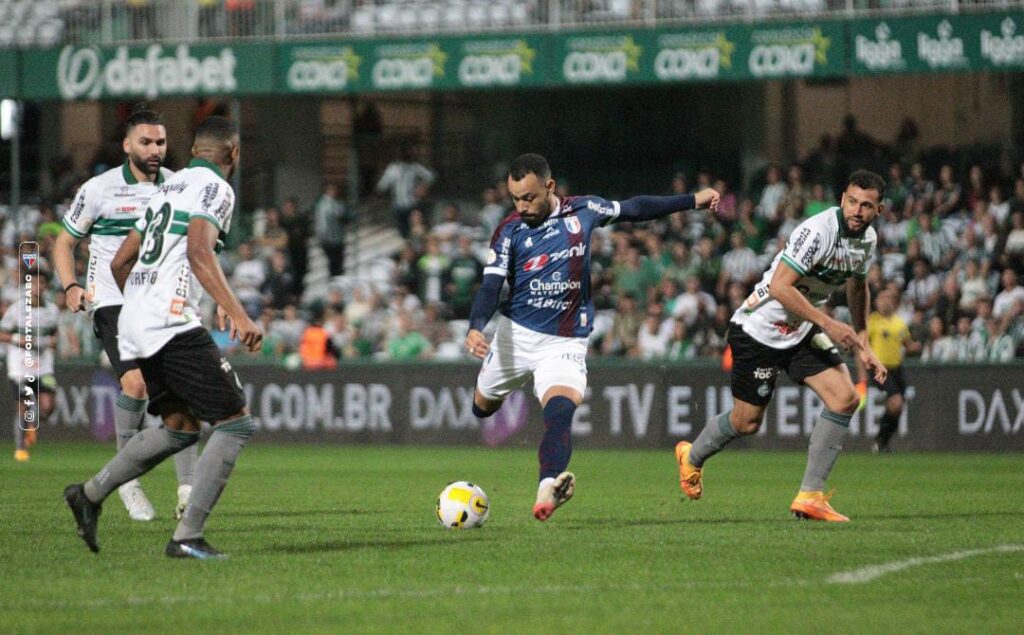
(144, 165)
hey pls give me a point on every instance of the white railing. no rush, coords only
(54, 22)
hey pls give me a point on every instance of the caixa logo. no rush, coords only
(584, 66)
(490, 70)
(415, 72)
(776, 60)
(686, 63)
(313, 75)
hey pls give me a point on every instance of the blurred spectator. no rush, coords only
(998, 207)
(923, 288)
(771, 196)
(433, 270)
(653, 337)
(897, 188)
(947, 198)
(1011, 293)
(142, 16)
(241, 17)
(680, 345)
(330, 217)
(694, 304)
(817, 202)
(940, 347)
(739, 264)
(463, 279)
(247, 280)
(492, 212)
(408, 343)
(921, 192)
(316, 349)
(289, 327)
(408, 182)
(271, 236)
(209, 18)
(622, 338)
(296, 225)
(277, 289)
(449, 229)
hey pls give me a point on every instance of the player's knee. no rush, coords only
(847, 402)
(745, 425)
(132, 385)
(894, 404)
(240, 425)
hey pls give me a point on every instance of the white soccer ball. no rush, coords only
(462, 505)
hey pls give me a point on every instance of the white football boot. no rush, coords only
(135, 501)
(552, 494)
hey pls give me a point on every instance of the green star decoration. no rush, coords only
(526, 56)
(632, 52)
(725, 50)
(439, 57)
(352, 62)
(821, 44)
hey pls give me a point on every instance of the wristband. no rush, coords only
(72, 285)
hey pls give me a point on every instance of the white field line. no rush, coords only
(867, 574)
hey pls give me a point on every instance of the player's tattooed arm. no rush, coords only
(202, 241)
(125, 259)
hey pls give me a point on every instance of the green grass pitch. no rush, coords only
(338, 539)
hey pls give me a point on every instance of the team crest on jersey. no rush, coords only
(29, 259)
(573, 225)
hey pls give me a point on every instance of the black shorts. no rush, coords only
(190, 370)
(894, 382)
(104, 325)
(756, 366)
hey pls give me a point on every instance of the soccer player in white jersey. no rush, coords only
(44, 340)
(163, 267)
(104, 210)
(781, 327)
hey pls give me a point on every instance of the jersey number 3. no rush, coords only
(153, 239)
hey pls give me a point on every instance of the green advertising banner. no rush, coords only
(150, 72)
(601, 59)
(938, 44)
(694, 55)
(329, 67)
(794, 50)
(8, 74)
(500, 62)
(408, 65)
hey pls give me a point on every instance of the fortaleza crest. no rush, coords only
(573, 225)
(29, 259)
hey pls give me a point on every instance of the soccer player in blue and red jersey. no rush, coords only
(542, 250)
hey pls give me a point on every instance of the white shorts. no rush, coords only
(517, 353)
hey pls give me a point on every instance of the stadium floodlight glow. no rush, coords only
(8, 118)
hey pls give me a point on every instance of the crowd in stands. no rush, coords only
(951, 246)
(25, 23)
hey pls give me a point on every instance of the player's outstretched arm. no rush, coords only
(485, 303)
(644, 208)
(125, 258)
(783, 288)
(64, 264)
(202, 241)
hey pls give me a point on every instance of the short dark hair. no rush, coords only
(142, 115)
(868, 180)
(529, 163)
(217, 129)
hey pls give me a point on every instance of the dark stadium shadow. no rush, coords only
(356, 545)
(300, 513)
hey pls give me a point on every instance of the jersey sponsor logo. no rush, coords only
(801, 239)
(607, 210)
(573, 224)
(209, 194)
(576, 251)
(173, 188)
(540, 287)
(536, 262)
(807, 260)
(76, 211)
(550, 233)
(785, 328)
(764, 373)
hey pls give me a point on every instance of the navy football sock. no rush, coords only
(556, 446)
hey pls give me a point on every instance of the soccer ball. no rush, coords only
(462, 505)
